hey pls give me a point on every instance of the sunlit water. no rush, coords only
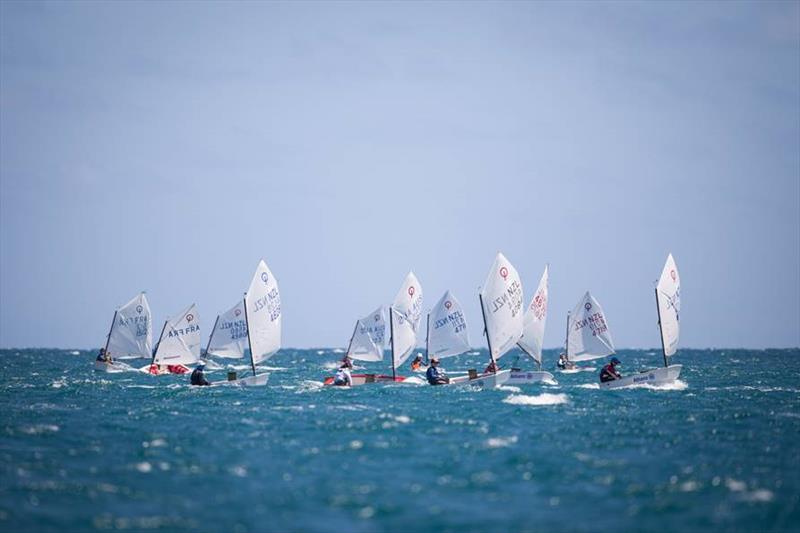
(87, 451)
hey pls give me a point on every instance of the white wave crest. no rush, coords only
(676, 385)
(501, 442)
(540, 399)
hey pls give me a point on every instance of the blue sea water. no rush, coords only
(719, 450)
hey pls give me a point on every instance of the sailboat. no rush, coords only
(178, 345)
(405, 315)
(262, 315)
(533, 336)
(588, 335)
(501, 308)
(228, 338)
(363, 347)
(130, 335)
(668, 306)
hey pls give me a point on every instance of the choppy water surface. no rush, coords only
(87, 451)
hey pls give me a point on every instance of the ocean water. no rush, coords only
(719, 450)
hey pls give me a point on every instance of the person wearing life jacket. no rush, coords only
(492, 368)
(562, 361)
(104, 356)
(417, 363)
(436, 375)
(198, 377)
(343, 377)
(609, 372)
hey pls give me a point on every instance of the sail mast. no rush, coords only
(249, 345)
(108, 338)
(155, 350)
(391, 339)
(427, 339)
(353, 336)
(566, 340)
(660, 331)
(486, 331)
(212, 335)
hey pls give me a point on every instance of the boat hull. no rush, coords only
(259, 380)
(657, 376)
(100, 366)
(154, 370)
(364, 379)
(483, 381)
(519, 377)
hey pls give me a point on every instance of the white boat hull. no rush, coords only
(258, 380)
(519, 377)
(99, 366)
(657, 376)
(483, 381)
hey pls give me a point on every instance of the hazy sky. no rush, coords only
(169, 146)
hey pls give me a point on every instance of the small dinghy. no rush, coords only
(178, 345)
(668, 306)
(129, 337)
(588, 334)
(261, 307)
(533, 337)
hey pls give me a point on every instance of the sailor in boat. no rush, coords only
(104, 357)
(564, 363)
(492, 368)
(198, 376)
(609, 372)
(436, 375)
(343, 377)
(417, 363)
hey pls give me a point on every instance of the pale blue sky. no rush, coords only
(169, 146)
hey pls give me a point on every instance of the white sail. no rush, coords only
(375, 325)
(408, 301)
(534, 321)
(229, 337)
(263, 312)
(362, 346)
(668, 294)
(589, 336)
(502, 306)
(180, 339)
(447, 328)
(131, 334)
(404, 338)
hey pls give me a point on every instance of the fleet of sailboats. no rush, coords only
(252, 327)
